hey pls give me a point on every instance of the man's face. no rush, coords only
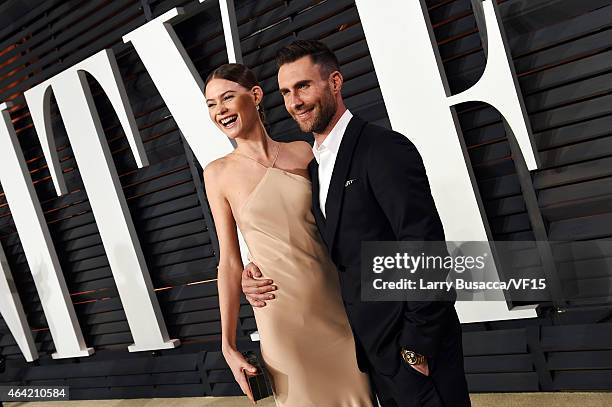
(307, 94)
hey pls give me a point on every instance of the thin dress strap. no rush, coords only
(259, 162)
(276, 155)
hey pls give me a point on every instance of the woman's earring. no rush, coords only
(257, 107)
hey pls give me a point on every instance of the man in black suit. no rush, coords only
(369, 184)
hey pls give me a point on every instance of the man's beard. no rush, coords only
(321, 120)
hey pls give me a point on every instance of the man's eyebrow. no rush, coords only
(295, 85)
(223, 94)
(304, 82)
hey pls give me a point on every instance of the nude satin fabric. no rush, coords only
(306, 341)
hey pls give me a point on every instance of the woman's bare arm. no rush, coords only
(229, 272)
(230, 262)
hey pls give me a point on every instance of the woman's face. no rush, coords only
(232, 107)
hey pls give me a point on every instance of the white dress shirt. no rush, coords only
(326, 154)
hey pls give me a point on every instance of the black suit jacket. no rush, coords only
(388, 199)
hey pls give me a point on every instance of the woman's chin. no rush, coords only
(230, 133)
(236, 132)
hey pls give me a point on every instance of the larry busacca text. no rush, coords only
(460, 284)
(448, 271)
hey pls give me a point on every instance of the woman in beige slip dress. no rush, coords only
(262, 187)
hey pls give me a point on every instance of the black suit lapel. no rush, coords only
(313, 171)
(338, 179)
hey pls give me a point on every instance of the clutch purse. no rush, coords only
(259, 383)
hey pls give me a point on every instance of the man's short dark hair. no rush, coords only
(319, 53)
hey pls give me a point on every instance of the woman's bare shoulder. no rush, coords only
(301, 149)
(216, 171)
(215, 167)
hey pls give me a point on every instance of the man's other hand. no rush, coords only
(422, 368)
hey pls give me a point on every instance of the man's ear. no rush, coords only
(336, 81)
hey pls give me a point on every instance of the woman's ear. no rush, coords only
(257, 93)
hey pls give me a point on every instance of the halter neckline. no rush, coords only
(259, 162)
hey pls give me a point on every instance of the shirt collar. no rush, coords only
(334, 138)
